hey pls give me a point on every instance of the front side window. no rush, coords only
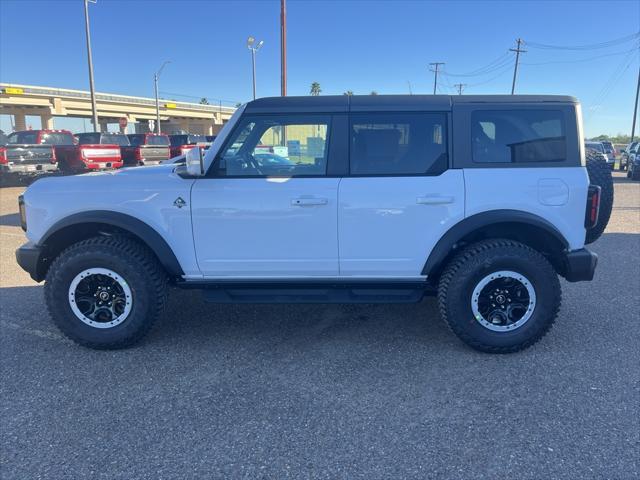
(398, 144)
(278, 145)
(518, 136)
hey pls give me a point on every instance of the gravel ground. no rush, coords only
(326, 391)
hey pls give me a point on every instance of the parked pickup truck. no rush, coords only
(146, 149)
(181, 144)
(26, 154)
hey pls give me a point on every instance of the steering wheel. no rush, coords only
(244, 164)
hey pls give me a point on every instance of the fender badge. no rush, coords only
(179, 202)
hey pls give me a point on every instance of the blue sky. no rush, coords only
(344, 45)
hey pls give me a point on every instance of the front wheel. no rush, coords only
(499, 296)
(105, 292)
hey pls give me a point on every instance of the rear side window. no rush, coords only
(398, 144)
(518, 136)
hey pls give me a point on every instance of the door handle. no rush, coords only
(306, 201)
(435, 200)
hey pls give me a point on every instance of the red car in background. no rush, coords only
(146, 149)
(182, 143)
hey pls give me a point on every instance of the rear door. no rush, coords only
(400, 196)
(269, 208)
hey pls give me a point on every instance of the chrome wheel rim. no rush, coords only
(503, 301)
(100, 298)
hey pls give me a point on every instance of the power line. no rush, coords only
(217, 100)
(460, 87)
(593, 46)
(506, 69)
(488, 68)
(615, 77)
(606, 55)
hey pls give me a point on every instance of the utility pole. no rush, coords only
(283, 48)
(436, 66)
(460, 87)
(156, 76)
(94, 108)
(635, 108)
(518, 50)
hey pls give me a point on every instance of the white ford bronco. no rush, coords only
(481, 200)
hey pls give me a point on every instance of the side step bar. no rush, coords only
(278, 291)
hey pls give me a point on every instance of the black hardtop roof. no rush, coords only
(364, 103)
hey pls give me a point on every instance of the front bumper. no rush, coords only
(580, 265)
(30, 258)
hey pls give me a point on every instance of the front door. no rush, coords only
(400, 196)
(268, 209)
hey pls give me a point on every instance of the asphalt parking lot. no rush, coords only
(326, 391)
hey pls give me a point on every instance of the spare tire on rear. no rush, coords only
(600, 174)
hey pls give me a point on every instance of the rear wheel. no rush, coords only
(499, 296)
(600, 174)
(105, 292)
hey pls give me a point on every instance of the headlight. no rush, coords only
(23, 213)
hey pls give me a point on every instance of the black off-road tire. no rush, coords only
(470, 266)
(139, 268)
(600, 174)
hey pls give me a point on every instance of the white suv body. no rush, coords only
(299, 198)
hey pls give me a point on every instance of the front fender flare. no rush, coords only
(140, 229)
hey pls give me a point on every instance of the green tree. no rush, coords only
(348, 93)
(315, 89)
(204, 101)
(373, 92)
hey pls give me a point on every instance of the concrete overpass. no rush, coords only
(49, 102)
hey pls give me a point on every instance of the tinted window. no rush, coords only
(515, 136)
(598, 147)
(136, 140)
(56, 138)
(286, 145)
(157, 140)
(114, 139)
(398, 144)
(23, 138)
(177, 140)
(88, 138)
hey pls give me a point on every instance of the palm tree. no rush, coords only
(348, 93)
(373, 92)
(315, 89)
(204, 101)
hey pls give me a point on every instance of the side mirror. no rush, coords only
(195, 161)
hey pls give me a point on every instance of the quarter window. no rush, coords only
(286, 145)
(398, 144)
(518, 136)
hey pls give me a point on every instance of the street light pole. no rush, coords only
(251, 45)
(156, 76)
(94, 108)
